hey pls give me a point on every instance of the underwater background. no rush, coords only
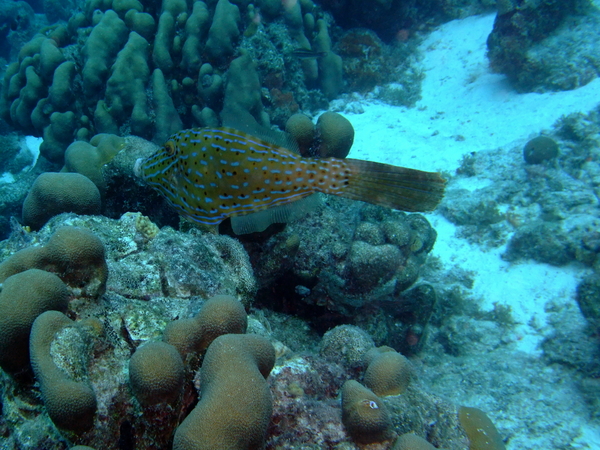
(352, 326)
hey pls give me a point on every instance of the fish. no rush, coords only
(306, 53)
(210, 174)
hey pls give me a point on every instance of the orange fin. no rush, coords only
(394, 187)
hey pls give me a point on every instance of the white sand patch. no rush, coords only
(461, 99)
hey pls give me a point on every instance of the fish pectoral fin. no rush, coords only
(288, 212)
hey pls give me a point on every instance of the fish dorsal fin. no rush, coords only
(260, 220)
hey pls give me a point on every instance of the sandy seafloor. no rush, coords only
(462, 97)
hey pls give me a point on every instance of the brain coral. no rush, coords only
(335, 134)
(480, 430)
(235, 404)
(55, 193)
(411, 441)
(156, 373)
(388, 372)
(25, 296)
(364, 415)
(70, 404)
(221, 314)
(75, 254)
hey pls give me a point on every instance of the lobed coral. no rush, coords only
(221, 314)
(156, 373)
(70, 404)
(25, 296)
(235, 407)
(364, 415)
(75, 254)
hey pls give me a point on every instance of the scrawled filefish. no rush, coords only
(210, 174)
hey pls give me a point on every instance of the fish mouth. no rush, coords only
(137, 168)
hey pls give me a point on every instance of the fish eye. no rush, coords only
(170, 148)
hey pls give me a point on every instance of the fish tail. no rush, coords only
(394, 187)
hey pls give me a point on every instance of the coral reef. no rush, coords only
(541, 45)
(334, 263)
(143, 296)
(17, 25)
(547, 212)
(391, 19)
(120, 68)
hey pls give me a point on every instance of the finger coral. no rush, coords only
(139, 67)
